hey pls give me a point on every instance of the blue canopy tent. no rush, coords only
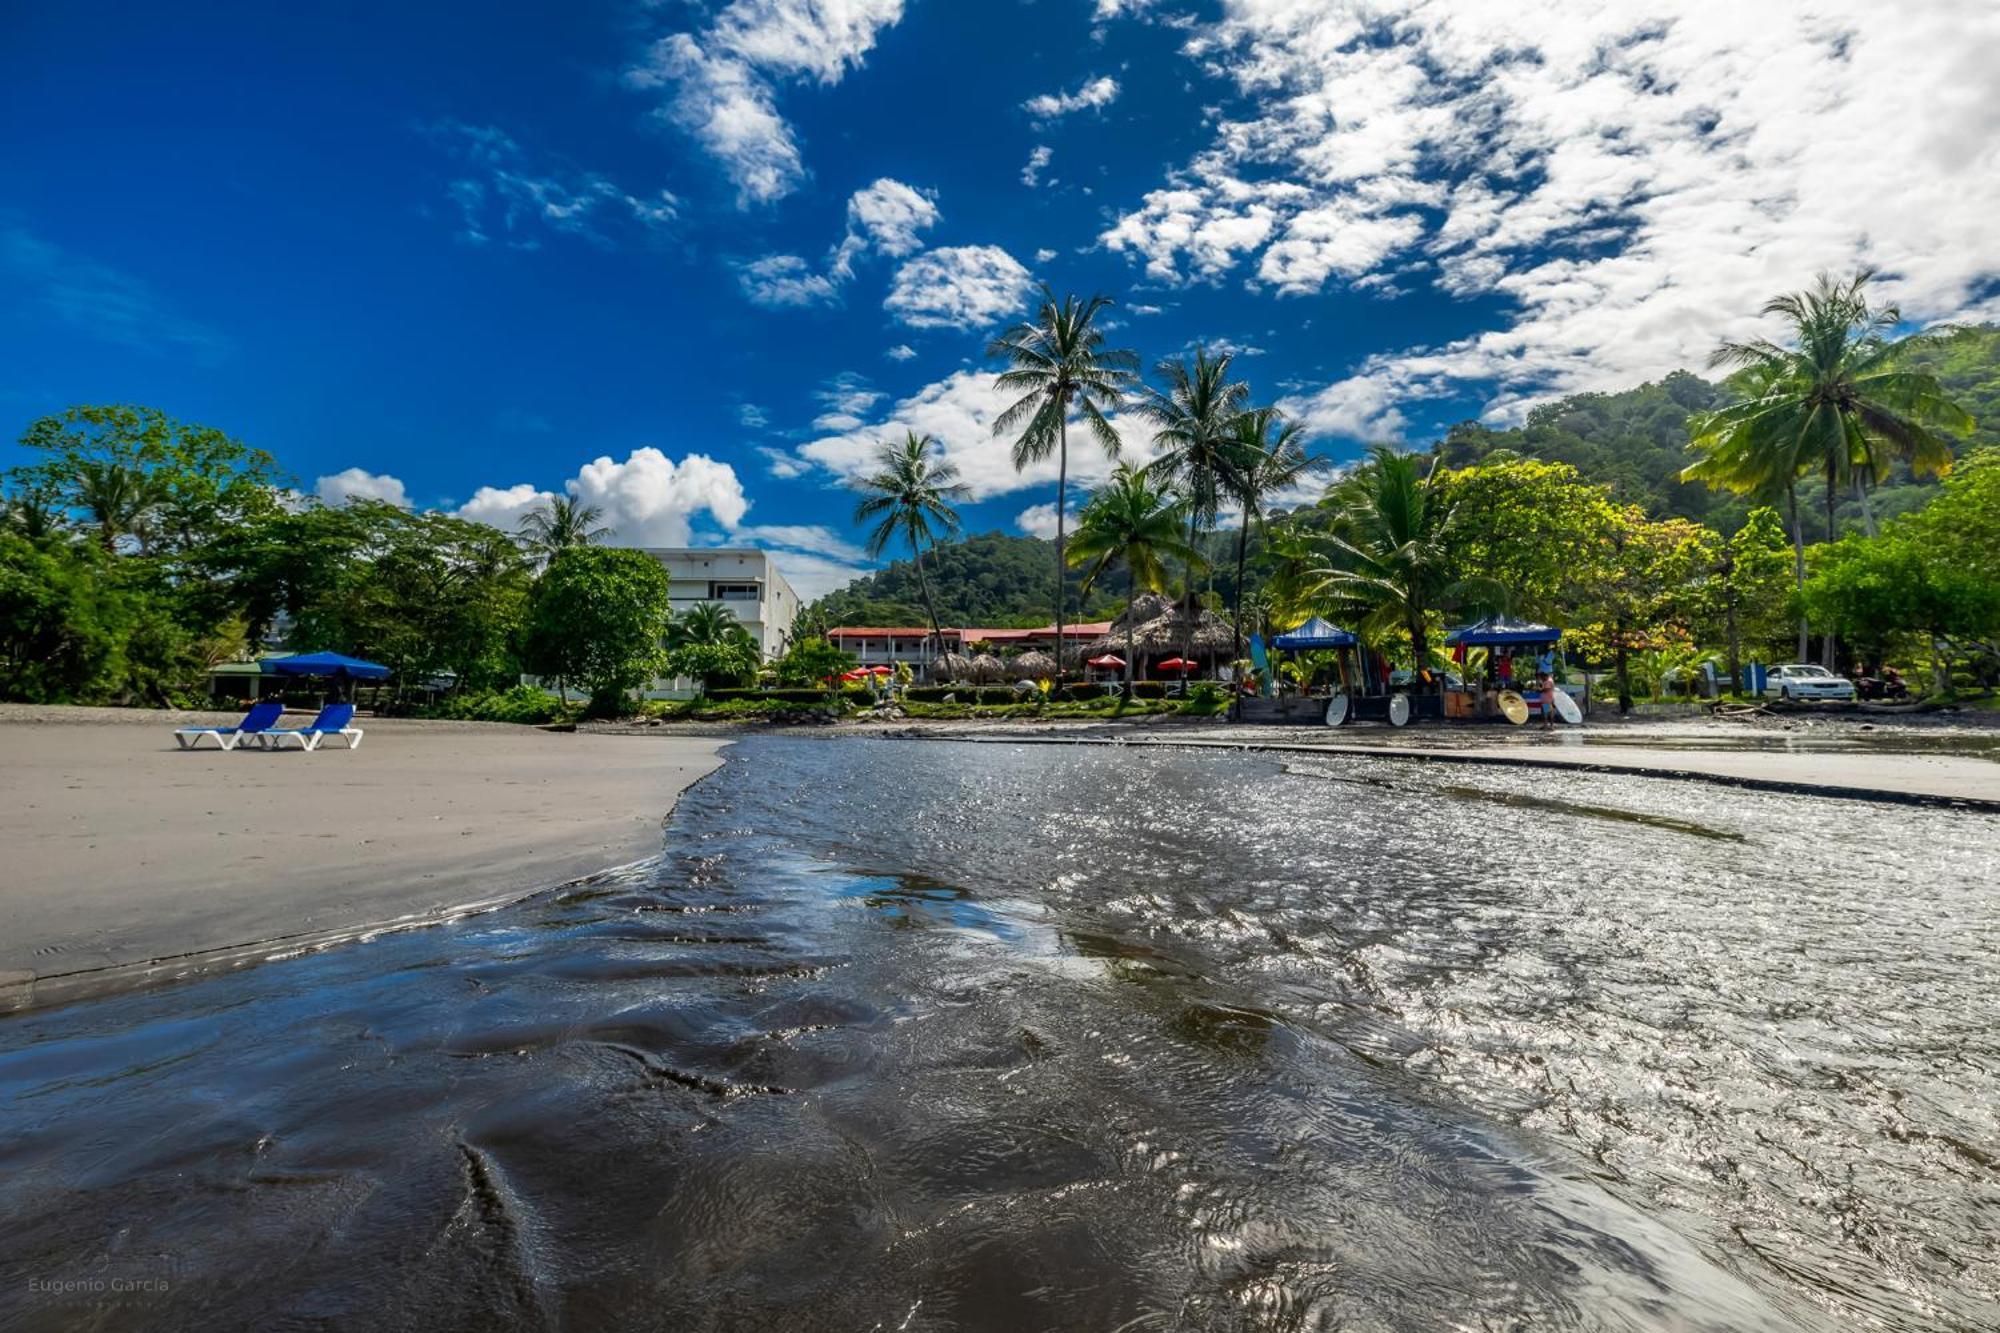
(1500, 632)
(1314, 634)
(334, 665)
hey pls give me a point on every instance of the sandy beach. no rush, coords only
(122, 850)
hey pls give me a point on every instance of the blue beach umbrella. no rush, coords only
(1315, 633)
(334, 665)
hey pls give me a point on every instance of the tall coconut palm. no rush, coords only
(1839, 402)
(120, 500)
(1195, 415)
(911, 497)
(1270, 459)
(1392, 550)
(560, 524)
(1058, 363)
(1134, 521)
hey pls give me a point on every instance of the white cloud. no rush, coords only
(812, 537)
(963, 286)
(1040, 520)
(1044, 255)
(360, 484)
(1091, 95)
(513, 198)
(504, 506)
(1630, 186)
(814, 576)
(1031, 175)
(725, 79)
(647, 500)
(885, 217)
(782, 465)
(781, 281)
(752, 416)
(901, 352)
(959, 411)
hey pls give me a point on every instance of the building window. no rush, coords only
(734, 592)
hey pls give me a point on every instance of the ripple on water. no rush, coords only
(926, 1036)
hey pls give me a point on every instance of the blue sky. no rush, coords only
(691, 261)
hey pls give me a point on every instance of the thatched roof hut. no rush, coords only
(950, 667)
(985, 669)
(1166, 633)
(1033, 666)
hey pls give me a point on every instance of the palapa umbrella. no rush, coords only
(951, 666)
(986, 667)
(1034, 666)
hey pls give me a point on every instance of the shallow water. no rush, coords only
(920, 1035)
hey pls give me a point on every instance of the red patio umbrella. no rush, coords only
(1179, 664)
(881, 671)
(853, 675)
(1109, 661)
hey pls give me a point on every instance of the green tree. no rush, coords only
(135, 466)
(1132, 521)
(1393, 551)
(1523, 524)
(812, 661)
(1841, 401)
(1058, 363)
(63, 621)
(1271, 459)
(708, 644)
(910, 496)
(1199, 452)
(597, 616)
(558, 525)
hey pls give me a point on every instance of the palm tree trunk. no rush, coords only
(930, 607)
(1826, 638)
(1187, 607)
(1062, 487)
(1867, 507)
(1799, 563)
(1131, 635)
(1236, 611)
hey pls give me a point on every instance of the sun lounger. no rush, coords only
(332, 721)
(255, 723)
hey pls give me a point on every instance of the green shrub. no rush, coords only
(523, 704)
(1206, 699)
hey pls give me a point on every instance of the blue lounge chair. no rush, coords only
(255, 723)
(332, 721)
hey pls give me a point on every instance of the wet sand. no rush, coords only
(121, 850)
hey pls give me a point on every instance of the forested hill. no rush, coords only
(1636, 441)
(991, 579)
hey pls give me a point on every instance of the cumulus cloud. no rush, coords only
(1630, 186)
(1090, 95)
(1040, 520)
(959, 411)
(646, 500)
(511, 197)
(901, 352)
(814, 537)
(360, 484)
(724, 78)
(964, 286)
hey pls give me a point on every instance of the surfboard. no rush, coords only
(1336, 710)
(1513, 707)
(1399, 710)
(1566, 708)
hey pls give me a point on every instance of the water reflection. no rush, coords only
(1078, 1039)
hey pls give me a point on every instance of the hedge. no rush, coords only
(785, 696)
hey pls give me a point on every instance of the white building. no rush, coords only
(746, 581)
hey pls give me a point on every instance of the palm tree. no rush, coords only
(1392, 544)
(1199, 454)
(1058, 362)
(1133, 521)
(1270, 459)
(911, 498)
(120, 500)
(34, 512)
(1838, 402)
(708, 624)
(560, 524)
